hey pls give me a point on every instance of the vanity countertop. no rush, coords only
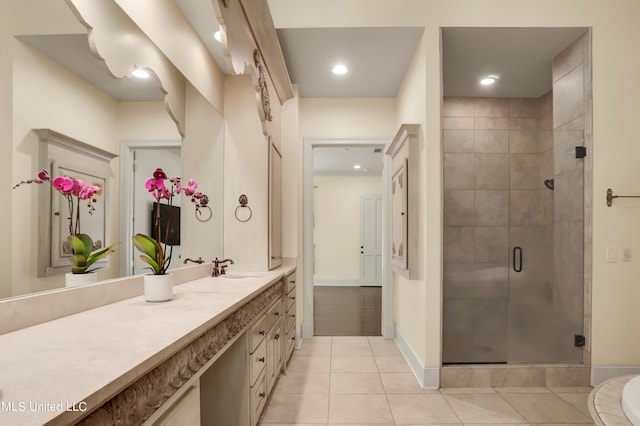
(55, 370)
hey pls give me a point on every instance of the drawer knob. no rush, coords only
(293, 338)
(292, 298)
(276, 313)
(261, 359)
(261, 332)
(262, 394)
(277, 336)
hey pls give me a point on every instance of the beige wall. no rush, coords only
(245, 172)
(336, 212)
(616, 66)
(345, 118)
(413, 324)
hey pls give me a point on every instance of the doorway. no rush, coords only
(346, 290)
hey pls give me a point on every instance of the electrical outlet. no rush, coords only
(626, 254)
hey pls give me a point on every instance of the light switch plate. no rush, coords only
(612, 254)
(626, 254)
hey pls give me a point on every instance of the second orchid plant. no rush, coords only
(157, 253)
(76, 192)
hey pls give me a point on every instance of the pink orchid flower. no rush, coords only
(63, 184)
(192, 185)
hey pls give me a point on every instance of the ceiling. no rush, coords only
(377, 59)
(72, 52)
(520, 57)
(339, 161)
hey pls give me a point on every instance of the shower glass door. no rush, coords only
(513, 242)
(546, 233)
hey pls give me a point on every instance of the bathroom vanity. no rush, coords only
(210, 355)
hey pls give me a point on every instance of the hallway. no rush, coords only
(347, 311)
(365, 381)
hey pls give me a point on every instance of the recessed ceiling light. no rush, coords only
(140, 73)
(489, 80)
(357, 166)
(218, 36)
(339, 69)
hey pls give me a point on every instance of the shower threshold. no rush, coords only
(514, 375)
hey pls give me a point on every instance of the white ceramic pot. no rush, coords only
(158, 288)
(75, 280)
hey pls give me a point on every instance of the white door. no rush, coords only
(371, 240)
(145, 162)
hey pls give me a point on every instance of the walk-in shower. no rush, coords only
(514, 223)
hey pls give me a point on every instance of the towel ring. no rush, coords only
(207, 216)
(244, 201)
(204, 204)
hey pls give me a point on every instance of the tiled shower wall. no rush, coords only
(497, 154)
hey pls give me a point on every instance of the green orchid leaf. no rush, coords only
(100, 254)
(79, 261)
(145, 244)
(81, 244)
(154, 265)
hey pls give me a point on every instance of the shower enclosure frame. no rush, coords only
(550, 373)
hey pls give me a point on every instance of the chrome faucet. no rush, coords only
(219, 267)
(199, 261)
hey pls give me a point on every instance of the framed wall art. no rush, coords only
(403, 151)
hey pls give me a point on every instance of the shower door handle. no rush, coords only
(517, 259)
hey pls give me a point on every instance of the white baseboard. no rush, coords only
(428, 377)
(602, 373)
(343, 283)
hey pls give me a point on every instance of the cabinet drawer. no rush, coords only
(291, 300)
(257, 361)
(291, 283)
(291, 320)
(258, 397)
(256, 334)
(291, 342)
(273, 315)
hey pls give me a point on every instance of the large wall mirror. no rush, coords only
(53, 80)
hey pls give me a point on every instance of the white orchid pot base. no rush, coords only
(76, 280)
(158, 288)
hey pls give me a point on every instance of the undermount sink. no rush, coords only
(238, 275)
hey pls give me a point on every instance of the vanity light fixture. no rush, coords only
(489, 80)
(140, 73)
(339, 69)
(218, 36)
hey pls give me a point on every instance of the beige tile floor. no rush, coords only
(365, 381)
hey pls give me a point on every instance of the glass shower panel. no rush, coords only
(546, 233)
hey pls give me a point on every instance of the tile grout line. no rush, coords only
(386, 396)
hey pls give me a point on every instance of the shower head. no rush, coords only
(549, 183)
